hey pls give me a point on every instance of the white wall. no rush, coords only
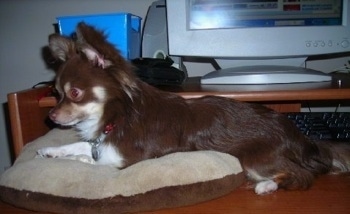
(24, 28)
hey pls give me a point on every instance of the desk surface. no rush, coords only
(329, 194)
(338, 88)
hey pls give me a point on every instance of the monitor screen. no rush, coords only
(213, 14)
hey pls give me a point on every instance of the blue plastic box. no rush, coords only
(121, 29)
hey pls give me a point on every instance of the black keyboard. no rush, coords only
(323, 125)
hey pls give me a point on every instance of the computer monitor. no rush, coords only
(267, 37)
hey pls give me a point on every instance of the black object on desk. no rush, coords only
(158, 71)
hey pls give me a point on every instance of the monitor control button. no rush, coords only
(345, 43)
(330, 43)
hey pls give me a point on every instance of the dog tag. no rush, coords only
(95, 153)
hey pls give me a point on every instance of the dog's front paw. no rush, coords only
(51, 152)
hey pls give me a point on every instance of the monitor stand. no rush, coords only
(264, 74)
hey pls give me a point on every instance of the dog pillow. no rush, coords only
(74, 185)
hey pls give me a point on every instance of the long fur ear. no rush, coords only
(94, 56)
(94, 45)
(61, 47)
(90, 52)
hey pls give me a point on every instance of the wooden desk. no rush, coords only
(329, 194)
(280, 97)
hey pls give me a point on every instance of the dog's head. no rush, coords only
(93, 74)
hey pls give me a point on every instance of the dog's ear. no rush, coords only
(94, 56)
(61, 47)
(87, 38)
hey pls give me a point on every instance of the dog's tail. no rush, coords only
(340, 157)
(326, 157)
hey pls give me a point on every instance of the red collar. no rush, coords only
(108, 128)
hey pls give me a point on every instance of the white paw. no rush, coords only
(51, 152)
(78, 148)
(265, 187)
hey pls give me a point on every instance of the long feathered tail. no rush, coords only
(341, 157)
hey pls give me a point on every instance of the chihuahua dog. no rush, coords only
(122, 120)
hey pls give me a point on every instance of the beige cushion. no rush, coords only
(70, 185)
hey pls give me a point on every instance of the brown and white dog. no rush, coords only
(122, 120)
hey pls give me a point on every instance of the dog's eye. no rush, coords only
(75, 93)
